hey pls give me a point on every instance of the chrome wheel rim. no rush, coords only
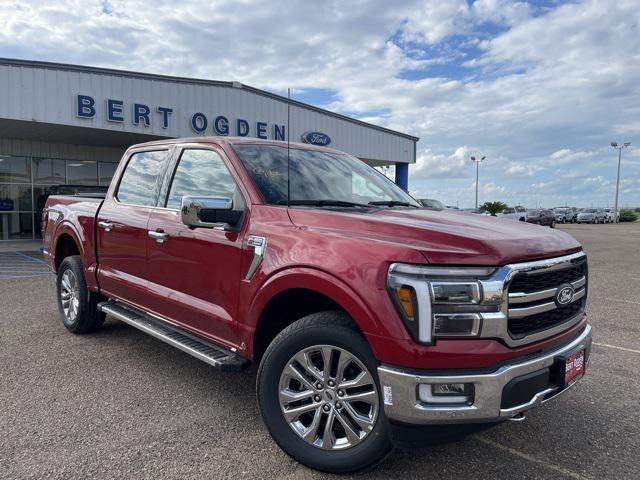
(328, 397)
(69, 298)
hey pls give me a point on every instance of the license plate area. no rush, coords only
(571, 367)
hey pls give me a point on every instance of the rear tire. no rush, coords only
(302, 347)
(78, 306)
(553, 224)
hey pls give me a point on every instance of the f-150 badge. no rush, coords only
(259, 245)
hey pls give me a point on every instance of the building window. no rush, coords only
(82, 173)
(106, 170)
(25, 184)
(15, 170)
(48, 171)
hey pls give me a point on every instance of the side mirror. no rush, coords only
(209, 212)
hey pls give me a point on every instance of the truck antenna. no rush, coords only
(288, 143)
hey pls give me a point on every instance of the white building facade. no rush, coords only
(68, 125)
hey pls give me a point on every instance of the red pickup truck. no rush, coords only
(373, 321)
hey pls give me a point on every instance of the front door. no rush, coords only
(122, 227)
(194, 274)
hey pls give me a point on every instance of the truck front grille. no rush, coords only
(519, 327)
(534, 305)
(535, 282)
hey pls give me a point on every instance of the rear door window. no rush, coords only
(140, 182)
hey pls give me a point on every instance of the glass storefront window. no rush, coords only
(15, 198)
(82, 173)
(15, 226)
(15, 170)
(26, 182)
(48, 171)
(106, 170)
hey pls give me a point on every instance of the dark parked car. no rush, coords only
(542, 217)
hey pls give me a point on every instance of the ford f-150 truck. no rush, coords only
(373, 321)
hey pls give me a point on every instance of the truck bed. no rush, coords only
(73, 216)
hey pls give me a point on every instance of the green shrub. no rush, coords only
(628, 215)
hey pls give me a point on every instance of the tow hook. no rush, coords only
(518, 418)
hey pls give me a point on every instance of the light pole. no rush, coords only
(619, 148)
(477, 162)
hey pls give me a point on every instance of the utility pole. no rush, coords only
(619, 148)
(477, 162)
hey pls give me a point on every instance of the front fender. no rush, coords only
(315, 280)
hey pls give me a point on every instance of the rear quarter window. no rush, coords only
(140, 180)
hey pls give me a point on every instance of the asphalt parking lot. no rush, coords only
(119, 403)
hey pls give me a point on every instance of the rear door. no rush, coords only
(122, 226)
(194, 274)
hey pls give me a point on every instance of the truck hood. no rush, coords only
(445, 237)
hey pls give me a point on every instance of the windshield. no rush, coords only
(591, 210)
(318, 178)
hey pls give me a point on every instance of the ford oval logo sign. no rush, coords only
(564, 294)
(316, 138)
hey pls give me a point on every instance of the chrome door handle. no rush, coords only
(158, 236)
(106, 225)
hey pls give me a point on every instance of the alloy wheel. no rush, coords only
(328, 397)
(69, 295)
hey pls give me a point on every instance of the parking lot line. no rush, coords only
(616, 347)
(532, 459)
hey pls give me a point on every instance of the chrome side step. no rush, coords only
(214, 355)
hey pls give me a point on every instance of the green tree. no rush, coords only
(493, 207)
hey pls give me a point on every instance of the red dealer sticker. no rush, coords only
(574, 368)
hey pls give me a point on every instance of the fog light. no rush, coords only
(450, 393)
(456, 324)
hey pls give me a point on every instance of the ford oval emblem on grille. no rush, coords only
(316, 138)
(564, 294)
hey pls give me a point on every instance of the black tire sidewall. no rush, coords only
(78, 325)
(371, 450)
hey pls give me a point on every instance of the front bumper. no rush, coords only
(402, 403)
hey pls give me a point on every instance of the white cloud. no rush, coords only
(547, 93)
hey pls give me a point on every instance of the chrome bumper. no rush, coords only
(400, 390)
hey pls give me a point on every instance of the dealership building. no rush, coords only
(63, 125)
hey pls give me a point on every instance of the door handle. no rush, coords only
(158, 236)
(108, 226)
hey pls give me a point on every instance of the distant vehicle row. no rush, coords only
(548, 217)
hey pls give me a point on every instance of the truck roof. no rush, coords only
(220, 140)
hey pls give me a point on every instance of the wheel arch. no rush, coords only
(292, 294)
(66, 244)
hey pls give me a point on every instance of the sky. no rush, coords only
(539, 88)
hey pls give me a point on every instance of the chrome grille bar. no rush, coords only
(520, 297)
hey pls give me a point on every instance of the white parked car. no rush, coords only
(563, 214)
(514, 213)
(592, 215)
(611, 215)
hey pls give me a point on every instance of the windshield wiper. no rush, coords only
(325, 203)
(393, 203)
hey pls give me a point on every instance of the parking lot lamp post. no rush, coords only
(477, 162)
(619, 148)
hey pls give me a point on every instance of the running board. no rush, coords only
(212, 354)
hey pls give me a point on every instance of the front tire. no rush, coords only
(553, 224)
(78, 306)
(319, 395)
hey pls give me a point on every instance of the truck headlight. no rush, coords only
(440, 301)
